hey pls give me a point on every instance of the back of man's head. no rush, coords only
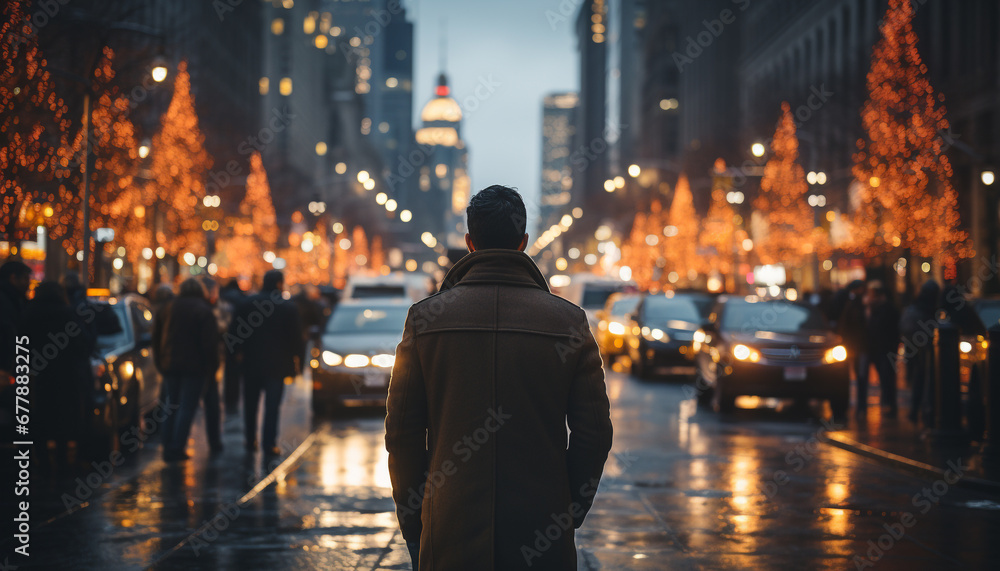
(273, 280)
(14, 268)
(496, 218)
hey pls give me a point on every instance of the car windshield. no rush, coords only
(624, 305)
(596, 295)
(359, 319)
(663, 309)
(111, 322)
(369, 291)
(989, 313)
(775, 316)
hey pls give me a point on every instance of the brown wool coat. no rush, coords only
(489, 374)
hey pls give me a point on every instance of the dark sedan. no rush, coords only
(660, 332)
(352, 362)
(127, 383)
(771, 348)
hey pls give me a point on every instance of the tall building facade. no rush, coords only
(558, 131)
(444, 182)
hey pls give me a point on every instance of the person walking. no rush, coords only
(489, 373)
(916, 327)
(267, 333)
(62, 380)
(232, 295)
(853, 330)
(881, 345)
(186, 352)
(210, 399)
(15, 279)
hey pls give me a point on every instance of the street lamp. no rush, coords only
(757, 149)
(987, 177)
(159, 71)
(634, 171)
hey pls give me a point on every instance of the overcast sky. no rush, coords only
(518, 49)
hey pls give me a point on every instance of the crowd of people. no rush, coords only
(874, 331)
(210, 345)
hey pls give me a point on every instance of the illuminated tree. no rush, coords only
(180, 165)
(791, 235)
(640, 252)
(377, 259)
(718, 234)
(679, 238)
(906, 197)
(33, 124)
(359, 249)
(258, 233)
(114, 197)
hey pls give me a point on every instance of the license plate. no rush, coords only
(795, 373)
(375, 379)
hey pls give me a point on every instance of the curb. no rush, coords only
(921, 469)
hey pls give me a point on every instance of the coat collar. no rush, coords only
(495, 266)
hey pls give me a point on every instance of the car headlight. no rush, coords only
(616, 328)
(127, 368)
(744, 353)
(965, 347)
(836, 354)
(332, 359)
(384, 360)
(355, 361)
(655, 334)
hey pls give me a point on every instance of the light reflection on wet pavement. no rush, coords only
(684, 489)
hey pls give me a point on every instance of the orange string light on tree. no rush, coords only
(906, 197)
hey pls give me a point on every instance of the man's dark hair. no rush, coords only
(496, 218)
(272, 279)
(12, 268)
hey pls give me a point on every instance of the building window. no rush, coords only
(277, 26)
(263, 84)
(285, 86)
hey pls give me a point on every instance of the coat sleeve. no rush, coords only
(406, 433)
(589, 420)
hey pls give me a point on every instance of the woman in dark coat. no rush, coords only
(61, 346)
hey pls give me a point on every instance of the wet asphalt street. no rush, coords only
(684, 489)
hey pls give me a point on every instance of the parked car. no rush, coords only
(127, 384)
(770, 348)
(352, 362)
(611, 322)
(660, 332)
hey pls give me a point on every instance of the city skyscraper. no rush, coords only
(558, 132)
(443, 175)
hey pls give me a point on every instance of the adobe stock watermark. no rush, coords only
(465, 448)
(696, 45)
(818, 97)
(561, 523)
(564, 12)
(34, 22)
(923, 501)
(407, 165)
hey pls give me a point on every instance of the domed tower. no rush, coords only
(444, 180)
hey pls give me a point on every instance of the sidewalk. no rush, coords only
(899, 442)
